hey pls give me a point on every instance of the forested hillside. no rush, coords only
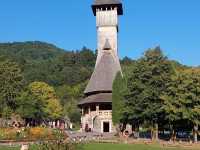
(30, 51)
(47, 79)
(45, 62)
(66, 72)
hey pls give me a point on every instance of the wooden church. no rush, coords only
(97, 105)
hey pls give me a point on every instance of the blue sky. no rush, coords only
(70, 24)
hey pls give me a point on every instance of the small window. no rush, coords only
(105, 107)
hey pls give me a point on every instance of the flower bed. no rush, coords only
(30, 134)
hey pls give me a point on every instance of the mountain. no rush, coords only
(30, 51)
(45, 62)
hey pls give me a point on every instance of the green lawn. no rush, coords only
(124, 147)
(8, 148)
(112, 147)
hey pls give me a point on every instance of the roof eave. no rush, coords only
(86, 103)
(119, 8)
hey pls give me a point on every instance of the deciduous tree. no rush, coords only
(146, 83)
(11, 84)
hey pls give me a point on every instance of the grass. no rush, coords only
(9, 148)
(110, 147)
(125, 147)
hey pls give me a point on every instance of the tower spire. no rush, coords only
(98, 93)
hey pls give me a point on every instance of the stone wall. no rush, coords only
(95, 120)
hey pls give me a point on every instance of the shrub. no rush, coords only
(59, 145)
(31, 134)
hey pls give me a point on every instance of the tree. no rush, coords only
(30, 107)
(194, 97)
(146, 82)
(47, 63)
(47, 95)
(72, 111)
(182, 101)
(39, 103)
(172, 104)
(86, 57)
(118, 102)
(127, 61)
(11, 84)
(54, 109)
(69, 96)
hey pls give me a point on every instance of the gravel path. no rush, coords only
(88, 136)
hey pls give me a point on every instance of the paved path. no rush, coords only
(88, 136)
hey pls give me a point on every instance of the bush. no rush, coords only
(58, 145)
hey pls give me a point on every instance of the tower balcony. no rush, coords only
(97, 109)
(107, 18)
(100, 113)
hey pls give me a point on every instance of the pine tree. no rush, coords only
(118, 101)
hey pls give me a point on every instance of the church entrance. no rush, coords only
(106, 127)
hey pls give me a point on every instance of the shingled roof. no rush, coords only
(97, 98)
(105, 3)
(102, 2)
(104, 74)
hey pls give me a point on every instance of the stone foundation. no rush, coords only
(98, 121)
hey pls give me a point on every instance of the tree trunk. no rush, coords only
(152, 134)
(118, 130)
(123, 127)
(156, 132)
(138, 131)
(195, 133)
(173, 137)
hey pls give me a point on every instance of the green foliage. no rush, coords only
(6, 112)
(39, 102)
(154, 89)
(28, 106)
(146, 82)
(182, 98)
(162, 93)
(54, 109)
(11, 84)
(118, 101)
(58, 145)
(70, 96)
(31, 134)
(66, 93)
(66, 71)
(30, 51)
(71, 110)
(47, 96)
(47, 63)
(126, 61)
